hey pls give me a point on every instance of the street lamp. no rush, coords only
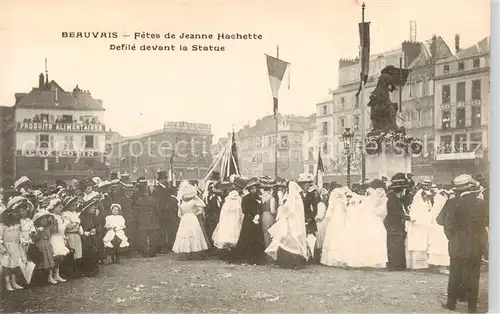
(347, 136)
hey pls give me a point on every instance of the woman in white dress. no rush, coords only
(190, 238)
(438, 243)
(372, 236)
(335, 237)
(228, 229)
(418, 231)
(288, 246)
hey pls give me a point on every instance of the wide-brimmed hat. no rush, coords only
(22, 181)
(86, 182)
(266, 182)
(56, 201)
(96, 180)
(17, 201)
(399, 180)
(188, 191)
(427, 182)
(305, 178)
(462, 182)
(280, 182)
(124, 174)
(142, 180)
(240, 183)
(39, 214)
(104, 184)
(253, 182)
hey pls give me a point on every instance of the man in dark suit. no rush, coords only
(167, 213)
(464, 219)
(310, 202)
(394, 223)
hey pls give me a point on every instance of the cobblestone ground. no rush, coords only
(166, 284)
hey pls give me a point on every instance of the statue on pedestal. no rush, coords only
(383, 111)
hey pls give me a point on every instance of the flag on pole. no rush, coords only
(320, 170)
(276, 69)
(364, 35)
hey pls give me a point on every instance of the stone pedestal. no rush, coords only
(386, 164)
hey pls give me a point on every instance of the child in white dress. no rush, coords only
(58, 238)
(115, 224)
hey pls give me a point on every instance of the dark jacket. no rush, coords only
(394, 221)
(310, 211)
(465, 219)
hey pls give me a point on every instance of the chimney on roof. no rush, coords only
(457, 43)
(41, 81)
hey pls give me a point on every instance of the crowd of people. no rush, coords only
(55, 233)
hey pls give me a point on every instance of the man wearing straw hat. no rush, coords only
(464, 219)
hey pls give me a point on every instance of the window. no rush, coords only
(461, 66)
(425, 89)
(324, 109)
(311, 168)
(446, 94)
(476, 63)
(324, 128)
(355, 123)
(460, 142)
(460, 91)
(284, 141)
(460, 117)
(446, 119)
(43, 141)
(476, 115)
(476, 140)
(446, 144)
(296, 155)
(446, 69)
(89, 163)
(342, 123)
(342, 103)
(89, 141)
(310, 153)
(325, 148)
(476, 90)
(69, 143)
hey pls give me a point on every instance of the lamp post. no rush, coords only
(347, 136)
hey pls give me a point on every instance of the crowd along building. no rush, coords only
(182, 148)
(462, 103)
(59, 135)
(257, 146)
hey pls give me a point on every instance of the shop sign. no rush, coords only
(60, 127)
(64, 153)
(177, 126)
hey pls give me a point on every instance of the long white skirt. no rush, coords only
(334, 241)
(228, 229)
(189, 238)
(438, 246)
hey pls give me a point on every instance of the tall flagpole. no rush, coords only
(361, 97)
(276, 125)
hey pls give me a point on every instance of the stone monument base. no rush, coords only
(386, 164)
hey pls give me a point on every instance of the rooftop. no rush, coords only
(49, 95)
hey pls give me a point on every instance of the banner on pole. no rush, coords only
(276, 69)
(364, 42)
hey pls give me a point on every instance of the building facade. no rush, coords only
(257, 149)
(146, 154)
(462, 103)
(7, 146)
(344, 111)
(59, 135)
(310, 148)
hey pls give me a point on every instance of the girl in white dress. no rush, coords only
(228, 229)
(57, 238)
(335, 237)
(190, 238)
(418, 231)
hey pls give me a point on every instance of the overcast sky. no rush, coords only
(141, 89)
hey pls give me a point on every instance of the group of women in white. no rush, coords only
(350, 227)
